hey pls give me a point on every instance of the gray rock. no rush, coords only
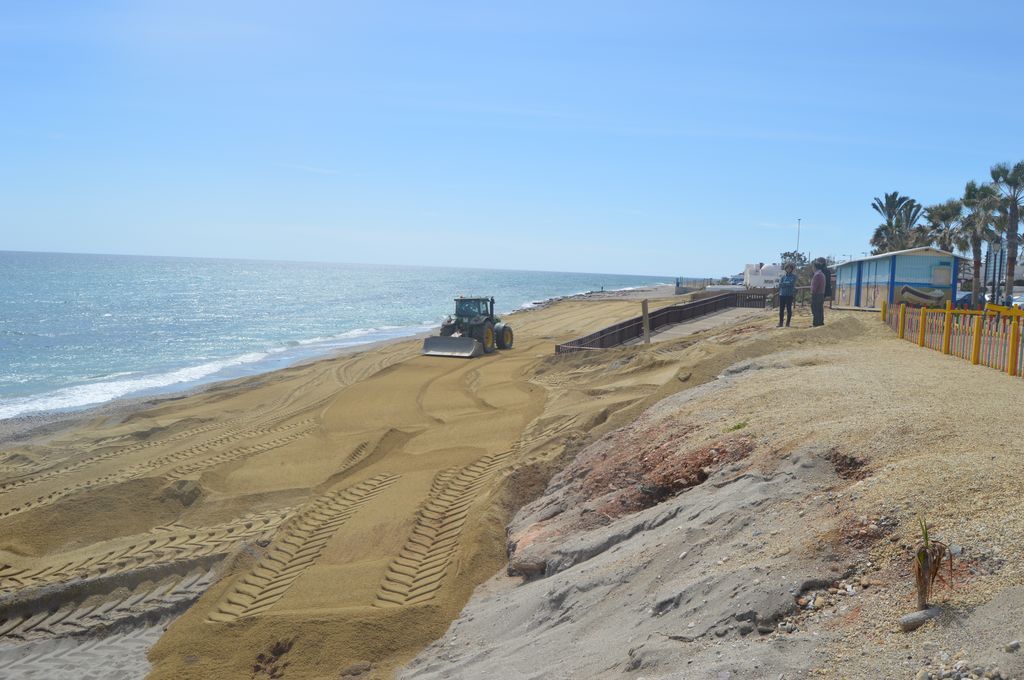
(1013, 646)
(356, 669)
(917, 619)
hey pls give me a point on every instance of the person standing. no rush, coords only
(787, 291)
(818, 294)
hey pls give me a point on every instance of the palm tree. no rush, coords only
(898, 232)
(890, 208)
(1010, 182)
(943, 220)
(910, 214)
(885, 239)
(976, 227)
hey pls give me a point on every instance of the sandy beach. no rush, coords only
(349, 505)
(335, 519)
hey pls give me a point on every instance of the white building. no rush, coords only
(761, 275)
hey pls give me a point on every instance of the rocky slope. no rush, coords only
(761, 525)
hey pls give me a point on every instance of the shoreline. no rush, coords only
(33, 425)
(36, 424)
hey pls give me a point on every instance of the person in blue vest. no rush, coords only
(787, 291)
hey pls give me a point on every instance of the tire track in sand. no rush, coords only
(234, 454)
(91, 614)
(121, 655)
(240, 427)
(415, 575)
(140, 469)
(162, 546)
(300, 544)
(51, 473)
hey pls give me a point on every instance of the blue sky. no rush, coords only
(624, 137)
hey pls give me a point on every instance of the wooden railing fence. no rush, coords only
(631, 329)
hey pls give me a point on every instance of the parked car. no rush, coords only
(963, 299)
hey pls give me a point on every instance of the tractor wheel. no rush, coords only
(487, 337)
(504, 336)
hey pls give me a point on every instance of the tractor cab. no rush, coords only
(468, 308)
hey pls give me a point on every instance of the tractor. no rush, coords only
(473, 330)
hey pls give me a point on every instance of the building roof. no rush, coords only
(901, 252)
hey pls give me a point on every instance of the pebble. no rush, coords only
(1013, 646)
(962, 671)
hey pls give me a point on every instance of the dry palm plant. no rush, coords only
(927, 562)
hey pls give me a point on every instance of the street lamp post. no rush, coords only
(995, 247)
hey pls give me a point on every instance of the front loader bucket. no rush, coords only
(450, 346)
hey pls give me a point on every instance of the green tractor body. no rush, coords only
(473, 330)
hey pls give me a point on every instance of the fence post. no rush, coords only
(923, 322)
(903, 321)
(947, 328)
(647, 322)
(1011, 356)
(884, 305)
(976, 347)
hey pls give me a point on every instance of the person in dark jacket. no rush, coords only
(787, 291)
(818, 293)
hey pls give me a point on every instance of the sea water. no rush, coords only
(81, 330)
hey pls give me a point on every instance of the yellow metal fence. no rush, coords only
(991, 337)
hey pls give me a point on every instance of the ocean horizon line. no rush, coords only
(219, 258)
